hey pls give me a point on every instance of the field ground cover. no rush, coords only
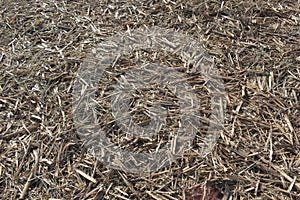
(254, 44)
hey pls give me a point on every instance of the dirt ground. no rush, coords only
(254, 44)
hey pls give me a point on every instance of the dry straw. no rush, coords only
(255, 46)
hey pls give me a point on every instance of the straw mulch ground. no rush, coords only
(254, 44)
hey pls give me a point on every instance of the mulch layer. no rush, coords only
(254, 44)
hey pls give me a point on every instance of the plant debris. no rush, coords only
(254, 44)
